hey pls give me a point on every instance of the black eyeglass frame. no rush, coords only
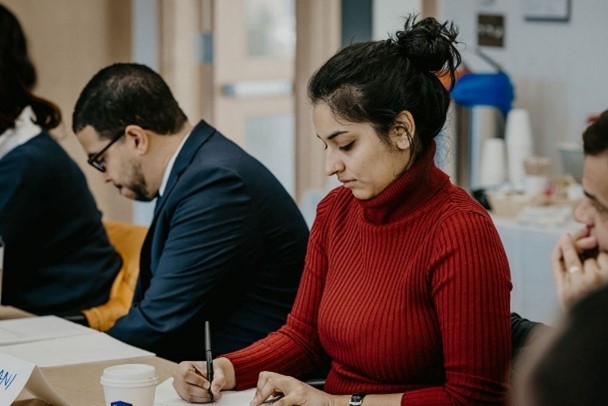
(94, 159)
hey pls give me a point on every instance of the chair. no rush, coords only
(127, 239)
(521, 332)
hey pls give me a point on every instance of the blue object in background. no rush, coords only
(484, 89)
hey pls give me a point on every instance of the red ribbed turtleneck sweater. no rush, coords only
(407, 292)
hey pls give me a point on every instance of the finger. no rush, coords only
(559, 274)
(264, 388)
(602, 262)
(584, 280)
(573, 284)
(557, 254)
(200, 368)
(269, 384)
(196, 380)
(189, 392)
(583, 232)
(570, 253)
(557, 257)
(586, 243)
(189, 371)
(573, 268)
(592, 276)
(574, 279)
(219, 381)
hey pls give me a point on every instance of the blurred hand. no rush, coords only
(190, 380)
(294, 392)
(575, 277)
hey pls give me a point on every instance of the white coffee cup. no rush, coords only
(129, 385)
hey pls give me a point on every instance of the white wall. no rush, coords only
(388, 15)
(145, 50)
(559, 69)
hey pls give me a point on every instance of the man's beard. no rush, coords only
(138, 184)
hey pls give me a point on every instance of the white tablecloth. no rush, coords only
(529, 251)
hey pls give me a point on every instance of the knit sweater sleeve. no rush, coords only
(294, 349)
(470, 282)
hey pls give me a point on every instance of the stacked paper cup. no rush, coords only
(492, 164)
(518, 137)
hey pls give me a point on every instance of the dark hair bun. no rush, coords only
(428, 44)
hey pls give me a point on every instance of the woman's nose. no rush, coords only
(332, 164)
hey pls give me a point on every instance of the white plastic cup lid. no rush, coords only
(130, 375)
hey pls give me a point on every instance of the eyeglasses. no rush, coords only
(96, 161)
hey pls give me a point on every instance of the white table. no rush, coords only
(529, 250)
(79, 383)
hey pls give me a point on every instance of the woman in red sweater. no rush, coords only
(406, 284)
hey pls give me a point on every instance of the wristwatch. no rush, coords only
(356, 399)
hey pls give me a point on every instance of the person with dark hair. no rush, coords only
(406, 284)
(58, 259)
(580, 260)
(569, 365)
(227, 241)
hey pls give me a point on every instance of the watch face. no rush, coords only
(356, 399)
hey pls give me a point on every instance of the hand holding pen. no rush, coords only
(192, 384)
(209, 357)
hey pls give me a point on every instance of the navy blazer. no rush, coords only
(58, 259)
(226, 244)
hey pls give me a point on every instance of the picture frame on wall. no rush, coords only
(547, 10)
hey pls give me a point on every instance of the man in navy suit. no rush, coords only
(226, 243)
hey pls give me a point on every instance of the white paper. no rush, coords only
(74, 350)
(167, 396)
(31, 329)
(16, 374)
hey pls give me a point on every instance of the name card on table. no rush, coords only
(16, 374)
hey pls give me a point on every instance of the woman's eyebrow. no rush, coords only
(332, 135)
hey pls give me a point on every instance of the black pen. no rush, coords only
(209, 357)
(274, 398)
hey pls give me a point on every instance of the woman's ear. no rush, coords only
(403, 130)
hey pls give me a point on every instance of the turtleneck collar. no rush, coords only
(408, 193)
